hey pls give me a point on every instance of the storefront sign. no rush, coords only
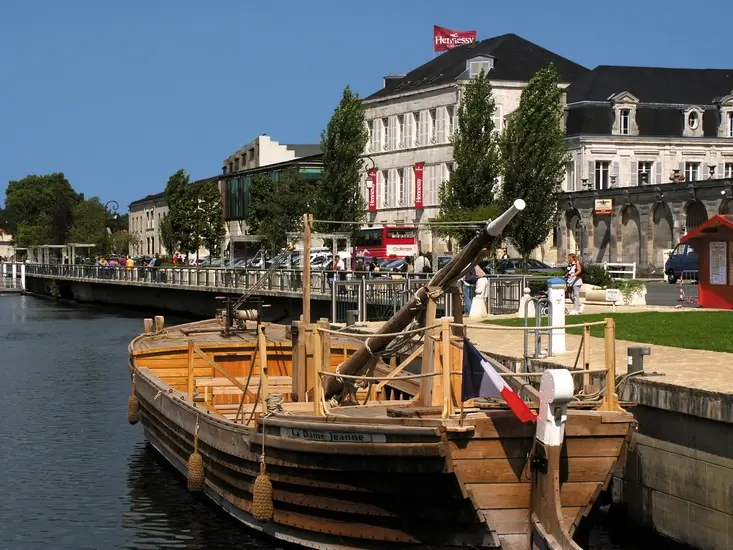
(603, 206)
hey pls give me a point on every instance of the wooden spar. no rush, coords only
(444, 279)
(307, 221)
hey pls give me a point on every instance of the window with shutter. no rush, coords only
(400, 131)
(400, 187)
(591, 175)
(431, 124)
(602, 173)
(386, 136)
(409, 130)
(692, 171)
(440, 124)
(382, 188)
(424, 135)
(408, 186)
(730, 124)
(728, 170)
(570, 176)
(377, 135)
(393, 137)
(449, 120)
(498, 119)
(645, 173)
(368, 125)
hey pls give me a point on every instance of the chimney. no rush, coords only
(391, 79)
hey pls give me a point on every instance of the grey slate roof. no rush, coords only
(304, 149)
(515, 59)
(661, 93)
(653, 84)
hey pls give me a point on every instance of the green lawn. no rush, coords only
(708, 330)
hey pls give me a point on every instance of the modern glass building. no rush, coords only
(235, 188)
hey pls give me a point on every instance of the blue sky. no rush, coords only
(119, 95)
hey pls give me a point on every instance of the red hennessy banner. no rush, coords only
(419, 169)
(372, 191)
(447, 39)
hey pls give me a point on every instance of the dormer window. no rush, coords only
(730, 124)
(476, 65)
(624, 108)
(692, 122)
(624, 122)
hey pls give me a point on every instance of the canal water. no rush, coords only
(74, 475)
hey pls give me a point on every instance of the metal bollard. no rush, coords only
(636, 358)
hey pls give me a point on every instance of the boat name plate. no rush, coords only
(313, 435)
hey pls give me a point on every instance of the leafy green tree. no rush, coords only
(469, 193)
(276, 207)
(90, 219)
(210, 216)
(167, 237)
(182, 211)
(343, 141)
(39, 209)
(534, 154)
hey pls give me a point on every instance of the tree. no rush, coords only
(343, 141)
(167, 237)
(39, 209)
(276, 207)
(89, 224)
(534, 153)
(210, 216)
(469, 193)
(182, 211)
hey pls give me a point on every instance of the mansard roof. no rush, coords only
(653, 85)
(515, 59)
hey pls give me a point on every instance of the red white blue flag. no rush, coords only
(480, 379)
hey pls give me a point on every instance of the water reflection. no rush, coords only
(163, 514)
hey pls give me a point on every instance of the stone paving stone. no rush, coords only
(704, 370)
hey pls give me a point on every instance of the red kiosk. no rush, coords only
(713, 241)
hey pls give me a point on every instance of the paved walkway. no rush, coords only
(704, 370)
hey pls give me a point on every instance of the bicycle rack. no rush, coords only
(542, 307)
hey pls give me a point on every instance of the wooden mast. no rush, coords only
(307, 222)
(446, 277)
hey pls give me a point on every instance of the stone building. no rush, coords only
(659, 143)
(145, 216)
(411, 120)
(263, 151)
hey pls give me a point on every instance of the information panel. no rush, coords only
(718, 263)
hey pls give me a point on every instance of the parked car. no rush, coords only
(515, 265)
(681, 264)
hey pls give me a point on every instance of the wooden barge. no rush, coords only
(267, 421)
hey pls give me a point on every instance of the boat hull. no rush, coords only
(388, 483)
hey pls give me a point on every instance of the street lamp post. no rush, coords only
(115, 206)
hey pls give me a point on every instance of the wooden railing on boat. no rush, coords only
(440, 383)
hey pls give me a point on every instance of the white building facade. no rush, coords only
(411, 122)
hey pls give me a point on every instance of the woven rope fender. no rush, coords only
(133, 406)
(196, 465)
(262, 505)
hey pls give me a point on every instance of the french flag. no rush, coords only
(481, 380)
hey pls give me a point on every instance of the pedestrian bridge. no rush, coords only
(369, 296)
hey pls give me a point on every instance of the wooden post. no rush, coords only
(307, 221)
(428, 359)
(317, 363)
(262, 340)
(586, 357)
(159, 323)
(446, 365)
(190, 380)
(326, 346)
(610, 398)
(147, 325)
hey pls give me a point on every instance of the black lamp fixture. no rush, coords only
(115, 206)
